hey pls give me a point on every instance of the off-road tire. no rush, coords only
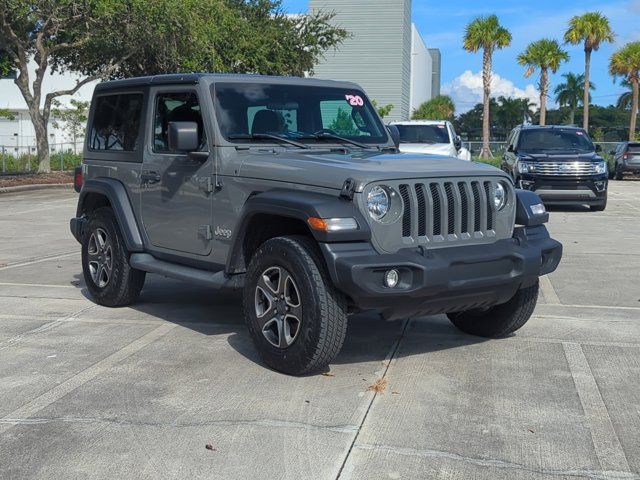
(501, 320)
(323, 325)
(125, 283)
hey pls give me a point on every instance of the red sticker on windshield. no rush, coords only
(354, 100)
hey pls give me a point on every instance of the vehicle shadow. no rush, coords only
(369, 338)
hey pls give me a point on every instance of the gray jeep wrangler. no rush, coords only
(294, 190)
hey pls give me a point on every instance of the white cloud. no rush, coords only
(466, 90)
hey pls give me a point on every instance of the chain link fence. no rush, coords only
(17, 159)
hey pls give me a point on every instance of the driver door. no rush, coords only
(176, 190)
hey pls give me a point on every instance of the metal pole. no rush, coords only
(4, 161)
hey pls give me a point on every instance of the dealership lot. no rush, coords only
(91, 392)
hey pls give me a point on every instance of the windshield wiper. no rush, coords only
(267, 136)
(333, 136)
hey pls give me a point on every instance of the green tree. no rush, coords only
(383, 111)
(592, 30)
(438, 108)
(570, 93)
(343, 124)
(72, 119)
(485, 33)
(624, 100)
(544, 55)
(510, 112)
(625, 62)
(6, 113)
(120, 38)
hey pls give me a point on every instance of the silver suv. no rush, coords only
(293, 190)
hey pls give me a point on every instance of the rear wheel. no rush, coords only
(295, 316)
(110, 279)
(619, 174)
(501, 320)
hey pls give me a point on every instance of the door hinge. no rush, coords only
(205, 231)
(211, 186)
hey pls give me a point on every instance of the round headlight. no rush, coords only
(499, 196)
(378, 203)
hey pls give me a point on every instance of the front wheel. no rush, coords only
(295, 316)
(501, 320)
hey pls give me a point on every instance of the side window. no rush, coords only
(343, 119)
(116, 122)
(175, 107)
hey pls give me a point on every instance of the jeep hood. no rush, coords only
(330, 170)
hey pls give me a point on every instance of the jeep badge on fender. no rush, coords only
(320, 215)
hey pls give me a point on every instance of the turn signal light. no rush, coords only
(332, 224)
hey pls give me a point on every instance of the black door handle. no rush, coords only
(150, 177)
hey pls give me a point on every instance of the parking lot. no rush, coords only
(140, 392)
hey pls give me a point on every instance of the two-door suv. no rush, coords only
(294, 190)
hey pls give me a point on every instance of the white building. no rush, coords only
(385, 54)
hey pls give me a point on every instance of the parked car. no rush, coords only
(559, 163)
(626, 159)
(293, 190)
(434, 137)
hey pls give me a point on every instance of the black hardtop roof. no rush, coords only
(193, 78)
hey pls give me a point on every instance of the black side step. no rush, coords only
(217, 280)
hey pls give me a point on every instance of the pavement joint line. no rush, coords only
(387, 364)
(39, 403)
(499, 464)
(38, 285)
(549, 293)
(605, 307)
(32, 261)
(266, 423)
(605, 440)
(43, 328)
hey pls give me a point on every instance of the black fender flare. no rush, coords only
(524, 216)
(298, 205)
(116, 193)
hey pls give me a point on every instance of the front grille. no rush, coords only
(446, 210)
(565, 168)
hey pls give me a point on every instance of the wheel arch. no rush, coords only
(276, 213)
(109, 192)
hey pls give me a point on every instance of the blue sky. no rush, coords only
(442, 23)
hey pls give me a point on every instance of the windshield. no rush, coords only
(249, 112)
(634, 148)
(554, 139)
(423, 133)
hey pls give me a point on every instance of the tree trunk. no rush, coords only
(544, 86)
(42, 141)
(634, 109)
(486, 86)
(572, 115)
(585, 98)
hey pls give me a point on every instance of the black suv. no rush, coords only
(559, 163)
(626, 159)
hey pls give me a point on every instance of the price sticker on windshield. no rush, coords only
(354, 100)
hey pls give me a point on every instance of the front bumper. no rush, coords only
(590, 190)
(442, 280)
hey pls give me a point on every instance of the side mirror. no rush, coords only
(511, 149)
(183, 137)
(612, 152)
(395, 135)
(598, 147)
(457, 142)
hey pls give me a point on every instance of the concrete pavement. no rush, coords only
(91, 392)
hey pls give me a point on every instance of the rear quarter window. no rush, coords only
(115, 124)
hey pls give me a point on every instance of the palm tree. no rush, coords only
(545, 55)
(624, 100)
(626, 63)
(570, 93)
(511, 112)
(438, 108)
(591, 29)
(485, 33)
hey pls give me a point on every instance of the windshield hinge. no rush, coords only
(348, 189)
(205, 231)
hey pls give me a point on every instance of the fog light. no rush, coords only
(538, 209)
(600, 186)
(391, 278)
